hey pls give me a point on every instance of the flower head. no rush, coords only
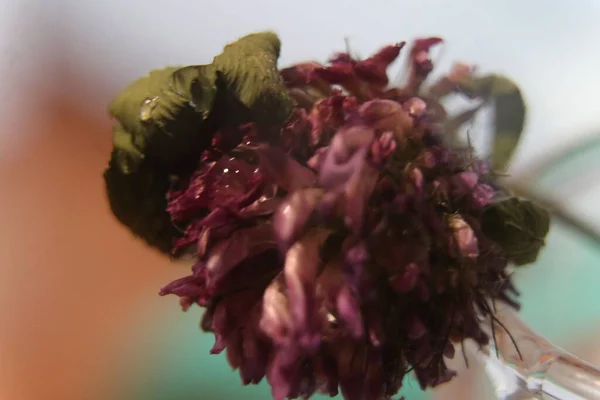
(354, 247)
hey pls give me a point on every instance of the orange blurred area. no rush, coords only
(70, 273)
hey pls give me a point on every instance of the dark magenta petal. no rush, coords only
(425, 44)
(327, 116)
(341, 58)
(293, 214)
(300, 74)
(406, 280)
(382, 148)
(190, 288)
(387, 115)
(358, 191)
(345, 156)
(243, 244)
(303, 75)
(483, 195)
(416, 329)
(339, 73)
(283, 170)
(349, 311)
(465, 238)
(302, 265)
(374, 69)
(276, 320)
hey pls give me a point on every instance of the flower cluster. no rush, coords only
(349, 249)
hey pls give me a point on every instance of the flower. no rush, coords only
(354, 247)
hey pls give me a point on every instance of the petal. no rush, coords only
(382, 148)
(374, 69)
(302, 265)
(345, 155)
(387, 115)
(349, 312)
(283, 170)
(406, 281)
(244, 244)
(293, 214)
(276, 320)
(358, 191)
(464, 238)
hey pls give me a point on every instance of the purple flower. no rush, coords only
(346, 251)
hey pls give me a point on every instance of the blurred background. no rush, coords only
(80, 316)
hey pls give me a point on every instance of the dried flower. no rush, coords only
(353, 246)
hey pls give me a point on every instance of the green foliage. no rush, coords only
(161, 114)
(519, 226)
(509, 112)
(256, 81)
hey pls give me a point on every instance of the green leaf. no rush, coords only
(518, 226)
(509, 112)
(159, 116)
(249, 68)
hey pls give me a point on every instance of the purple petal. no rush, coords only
(416, 329)
(383, 147)
(242, 245)
(464, 238)
(283, 170)
(483, 194)
(406, 281)
(415, 106)
(374, 69)
(358, 191)
(345, 155)
(302, 265)
(387, 116)
(276, 320)
(349, 312)
(293, 214)
(327, 116)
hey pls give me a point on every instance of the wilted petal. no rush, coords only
(255, 356)
(283, 372)
(374, 321)
(419, 54)
(406, 280)
(374, 69)
(483, 194)
(283, 170)
(416, 329)
(342, 73)
(302, 265)
(356, 258)
(327, 116)
(276, 320)
(351, 358)
(316, 161)
(357, 193)
(345, 156)
(349, 312)
(387, 115)
(421, 64)
(191, 288)
(242, 245)
(468, 179)
(415, 107)
(383, 147)
(303, 74)
(464, 238)
(293, 214)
